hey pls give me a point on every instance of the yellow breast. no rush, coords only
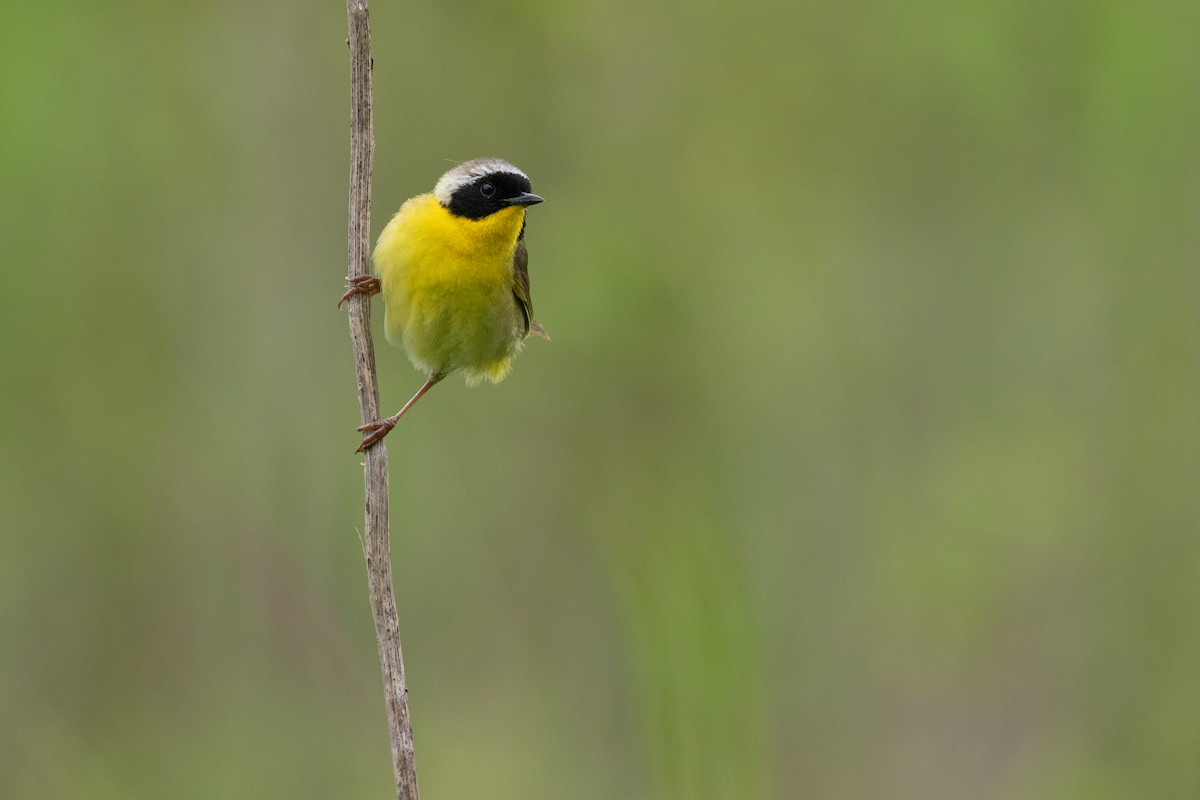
(447, 285)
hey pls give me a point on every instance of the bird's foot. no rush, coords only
(375, 431)
(360, 284)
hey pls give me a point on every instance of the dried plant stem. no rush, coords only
(376, 543)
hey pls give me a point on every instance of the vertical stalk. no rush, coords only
(377, 548)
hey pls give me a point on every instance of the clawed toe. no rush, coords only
(360, 284)
(374, 431)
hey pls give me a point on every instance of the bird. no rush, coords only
(453, 270)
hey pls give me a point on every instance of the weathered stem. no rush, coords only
(376, 544)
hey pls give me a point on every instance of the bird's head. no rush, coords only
(481, 187)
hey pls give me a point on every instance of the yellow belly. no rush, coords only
(447, 286)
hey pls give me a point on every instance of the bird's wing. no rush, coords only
(521, 288)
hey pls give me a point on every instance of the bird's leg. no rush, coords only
(375, 431)
(365, 284)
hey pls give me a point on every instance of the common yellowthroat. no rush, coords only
(454, 273)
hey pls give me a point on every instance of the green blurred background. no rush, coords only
(863, 464)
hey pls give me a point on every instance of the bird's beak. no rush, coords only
(524, 199)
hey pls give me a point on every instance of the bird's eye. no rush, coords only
(487, 189)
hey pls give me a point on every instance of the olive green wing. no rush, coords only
(521, 288)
